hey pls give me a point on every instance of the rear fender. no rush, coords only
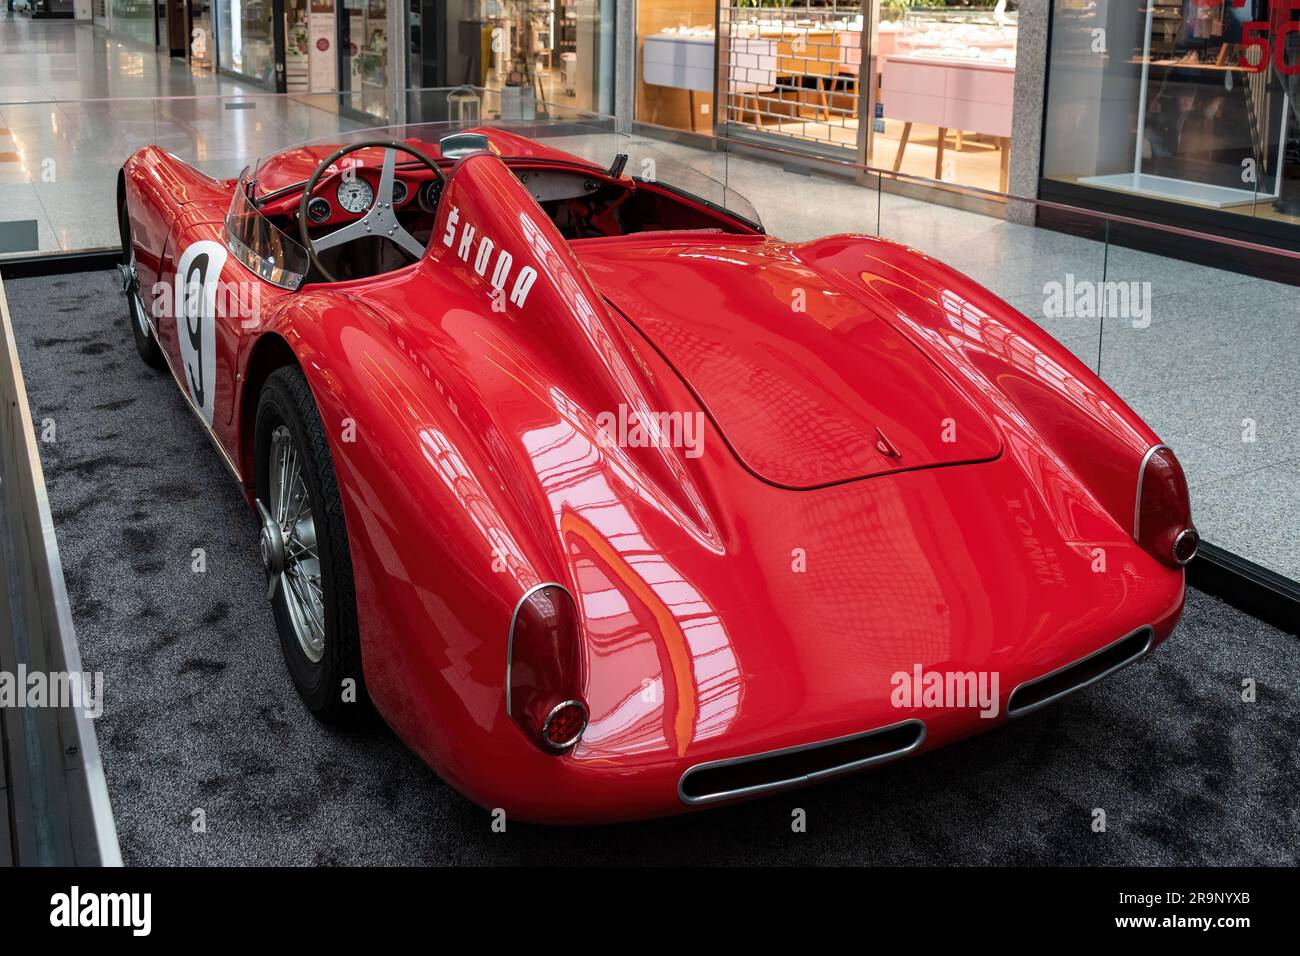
(441, 551)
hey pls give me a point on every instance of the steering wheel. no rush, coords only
(380, 219)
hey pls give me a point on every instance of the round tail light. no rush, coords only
(545, 669)
(1162, 522)
(564, 725)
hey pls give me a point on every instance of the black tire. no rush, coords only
(286, 400)
(145, 343)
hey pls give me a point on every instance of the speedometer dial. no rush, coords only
(355, 195)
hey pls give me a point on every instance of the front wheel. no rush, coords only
(145, 343)
(304, 546)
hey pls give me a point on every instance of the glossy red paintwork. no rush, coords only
(757, 596)
(801, 380)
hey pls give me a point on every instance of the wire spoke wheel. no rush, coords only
(141, 330)
(133, 298)
(304, 549)
(300, 567)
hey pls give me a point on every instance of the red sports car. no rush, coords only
(611, 504)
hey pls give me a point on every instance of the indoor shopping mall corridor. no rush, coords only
(44, 60)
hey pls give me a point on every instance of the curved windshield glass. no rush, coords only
(685, 169)
(264, 249)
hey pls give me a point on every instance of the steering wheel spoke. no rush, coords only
(353, 230)
(384, 194)
(407, 241)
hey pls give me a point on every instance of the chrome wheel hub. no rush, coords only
(288, 545)
(131, 286)
(271, 543)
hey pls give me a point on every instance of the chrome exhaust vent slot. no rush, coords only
(1041, 691)
(778, 769)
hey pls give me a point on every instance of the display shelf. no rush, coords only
(1178, 190)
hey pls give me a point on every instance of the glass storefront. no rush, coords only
(297, 46)
(203, 47)
(935, 98)
(311, 46)
(325, 52)
(246, 39)
(1183, 108)
(530, 52)
(329, 45)
(366, 49)
(945, 74)
(676, 53)
(133, 18)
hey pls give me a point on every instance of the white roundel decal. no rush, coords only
(197, 275)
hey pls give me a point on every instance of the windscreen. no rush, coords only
(263, 248)
(685, 169)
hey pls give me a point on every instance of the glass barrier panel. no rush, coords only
(72, 149)
(1203, 352)
(1208, 356)
(822, 196)
(1050, 275)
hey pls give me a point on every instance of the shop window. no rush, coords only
(793, 70)
(676, 53)
(311, 51)
(934, 98)
(247, 42)
(202, 41)
(1178, 101)
(943, 86)
(528, 52)
(133, 18)
(366, 52)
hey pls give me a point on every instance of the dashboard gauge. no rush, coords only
(318, 210)
(355, 195)
(399, 192)
(429, 195)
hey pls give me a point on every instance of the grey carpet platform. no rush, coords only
(200, 713)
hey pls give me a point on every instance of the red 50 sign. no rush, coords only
(1255, 36)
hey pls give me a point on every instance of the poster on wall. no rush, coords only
(323, 56)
